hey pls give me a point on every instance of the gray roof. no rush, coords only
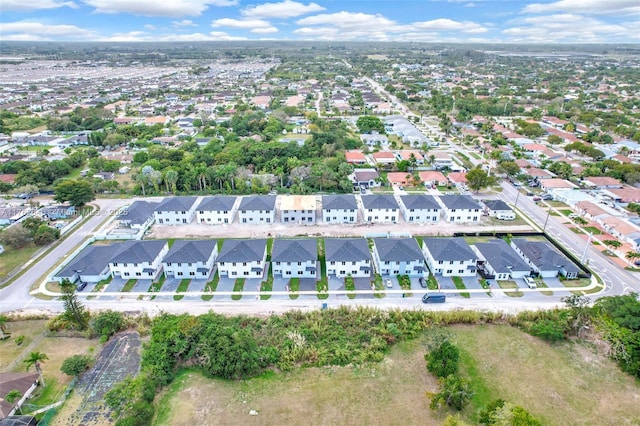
(544, 255)
(501, 257)
(339, 202)
(464, 202)
(497, 205)
(93, 260)
(176, 204)
(190, 251)
(365, 175)
(138, 212)
(242, 250)
(258, 202)
(398, 249)
(346, 249)
(449, 249)
(294, 250)
(379, 201)
(217, 204)
(138, 251)
(420, 202)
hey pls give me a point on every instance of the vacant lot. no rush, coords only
(562, 385)
(9, 350)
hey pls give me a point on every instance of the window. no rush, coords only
(179, 273)
(246, 272)
(138, 274)
(135, 265)
(184, 220)
(449, 271)
(126, 274)
(244, 220)
(299, 263)
(440, 262)
(115, 264)
(461, 271)
(190, 264)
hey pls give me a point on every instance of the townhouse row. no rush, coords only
(298, 258)
(306, 209)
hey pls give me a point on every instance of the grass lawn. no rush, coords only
(9, 350)
(542, 284)
(238, 286)
(349, 285)
(432, 283)
(129, 285)
(211, 286)
(182, 287)
(457, 281)
(294, 288)
(592, 229)
(506, 285)
(13, 258)
(556, 204)
(566, 212)
(582, 282)
(378, 285)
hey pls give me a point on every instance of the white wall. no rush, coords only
(256, 216)
(381, 215)
(340, 216)
(343, 269)
(293, 270)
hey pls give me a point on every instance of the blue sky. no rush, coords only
(475, 21)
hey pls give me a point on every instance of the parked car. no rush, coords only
(530, 282)
(423, 282)
(81, 286)
(389, 284)
(536, 198)
(547, 197)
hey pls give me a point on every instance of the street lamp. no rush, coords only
(584, 253)
(546, 220)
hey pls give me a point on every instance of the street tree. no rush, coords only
(76, 192)
(74, 311)
(478, 179)
(612, 243)
(36, 359)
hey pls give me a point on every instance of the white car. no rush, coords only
(389, 284)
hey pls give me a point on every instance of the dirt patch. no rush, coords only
(119, 358)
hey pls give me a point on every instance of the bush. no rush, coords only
(499, 412)
(76, 365)
(454, 392)
(443, 361)
(549, 330)
(19, 340)
(107, 323)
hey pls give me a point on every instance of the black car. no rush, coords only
(81, 286)
(422, 282)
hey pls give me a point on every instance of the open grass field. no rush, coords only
(12, 258)
(9, 350)
(566, 384)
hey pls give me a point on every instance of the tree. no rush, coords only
(13, 396)
(76, 192)
(368, 123)
(454, 392)
(45, 235)
(632, 255)
(35, 359)
(3, 327)
(75, 365)
(612, 243)
(478, 179)
(107, 323)
(443, 360)
(74, 311)
(509, 167)
(16, 236)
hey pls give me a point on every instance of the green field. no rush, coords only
(565, 384)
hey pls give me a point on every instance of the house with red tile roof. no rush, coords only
(602, 182)
(400, 178)
(556, 183)
(355, 157)
(384, 157)
(457, 177)
(432, 177)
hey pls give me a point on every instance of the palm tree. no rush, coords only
(13, 396)
(35, 358)
(3, 328)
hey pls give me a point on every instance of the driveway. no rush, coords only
(141, 285)
(224, 284)
(115, 285)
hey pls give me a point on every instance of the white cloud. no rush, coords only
(220, 35)
(184, 23)
(21, 5)
(567, 28)
(449, 25)
(348, 20)
(40, 31)
(283, 10)
(268, 30)
(241, 23)
(592, 7)
(171, 9)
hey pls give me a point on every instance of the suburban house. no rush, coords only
(375, 140)
(242, 258)
(56, 212)
(24, 383)
(449, 256)
(622, 229)
(442, 160)
(139, 215)
(298, 209)
(461, 208)
(380, 208)
(190, 259)
(366, 178)
(420, 208)
(295, 258)
(355, 157)
(411, 155)
(9, 215)
(383, 157)
(400, 178)
(347, 257)
(257, 209)
(398, 256)
(339, 209)
(548, 185)
(139, 259)
(544, 258)
(176, 210)
(602, 182)
(216, 210)
(497, 259)
(499, 209)
(432, 178)
(90, 265)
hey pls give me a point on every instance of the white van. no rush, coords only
(530, 282)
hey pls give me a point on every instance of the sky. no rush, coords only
(460, 21)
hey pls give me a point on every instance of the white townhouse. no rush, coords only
(347, 257)
(339, 209)
(90, 265)
(300, 209)
(420, 208)
(138, 216)
(139, 259)
(380, 208)
(461, 209)
(295, 258)
(190, 259)
(449, 257)
(242, 258)
(499, 209)
(216, 210)
(257, 209)
(398, 256)
(176, 210)
(500, 260)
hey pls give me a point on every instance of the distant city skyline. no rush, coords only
(458, 21)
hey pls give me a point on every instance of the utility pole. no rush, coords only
(546, 220)
(584, 253)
